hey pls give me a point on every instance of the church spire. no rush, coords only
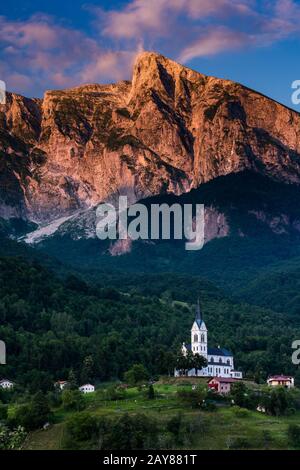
(198, 312)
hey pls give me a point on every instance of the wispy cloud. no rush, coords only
(42, 52)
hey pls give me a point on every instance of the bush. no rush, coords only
(131, 433)
(32, 415)
(72, 400)
(238, 443)
(195, 398)
(267, 439)
(81, 426)
(240, 412)
(3, 412)
(136, 374)
(293, 433)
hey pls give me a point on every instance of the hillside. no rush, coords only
(52, 325)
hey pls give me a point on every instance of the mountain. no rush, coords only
(169, 130)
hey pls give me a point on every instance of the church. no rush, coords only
(219, 360)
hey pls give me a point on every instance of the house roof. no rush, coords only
(280, 377)
(5, 380)
(223, 380)
(86, 385)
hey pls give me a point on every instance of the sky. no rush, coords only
(54, 44)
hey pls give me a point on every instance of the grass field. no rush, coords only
(219, 428)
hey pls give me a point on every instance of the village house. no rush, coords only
(221, 385)
(6, 384)
(281, 380)
(87, 388)
(61, 384)
(219, 360)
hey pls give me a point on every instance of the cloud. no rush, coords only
(41, 52)
(213, 42)
(196, 28)
(141, 17)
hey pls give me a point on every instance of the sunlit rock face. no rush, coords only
(167, 131)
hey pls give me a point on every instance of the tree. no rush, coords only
(240, 394)
(33, 415)
(40, 409)
(184, 362)
(195, 398)
(82, 426)
(198, 362)
(279, 401)
(72, 381)
(151, 392)
(136, 374)
(174, 426)
(72, 400)
(87, 372)
(131, 433)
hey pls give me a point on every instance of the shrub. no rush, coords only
(136, 374)
(238, 443)
(81, 426)
(293, 433)
(240, 412)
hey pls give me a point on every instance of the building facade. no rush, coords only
(87, 388)
(219, 360)
(6, 384)
(221, 385)
(281, 381)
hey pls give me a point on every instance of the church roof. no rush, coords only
(198, 317)
(218, 352)
(213, 352)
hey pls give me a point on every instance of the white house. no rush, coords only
(219, 360)
(6, 384)
(87, 388)
(281, 380)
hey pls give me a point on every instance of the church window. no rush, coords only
(195, 338)
(202, 338)
(220, 360)
(228, 361)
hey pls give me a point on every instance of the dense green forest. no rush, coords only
(54, 324)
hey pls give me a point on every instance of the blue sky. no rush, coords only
(61, 43)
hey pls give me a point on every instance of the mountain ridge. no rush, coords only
(168, 131)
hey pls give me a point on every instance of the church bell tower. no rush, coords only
(199, 334)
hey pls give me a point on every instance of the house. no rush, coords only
(61, 384)
(221, 385)
(219, 360)
(281, 380)
(87, 388)
(6, 384)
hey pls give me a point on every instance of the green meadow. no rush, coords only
(224, 427)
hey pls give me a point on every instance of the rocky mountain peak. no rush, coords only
(167, 131)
